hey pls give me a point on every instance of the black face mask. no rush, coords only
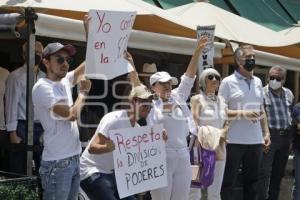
(37, 59)
(249, 64)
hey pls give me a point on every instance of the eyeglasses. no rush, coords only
(211, 77)
(275, 77)
(61, 59)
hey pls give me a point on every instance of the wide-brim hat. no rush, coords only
(148, 69)
(141, 92)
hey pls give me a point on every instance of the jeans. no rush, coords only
(296, 189)
(273, 167)
(17, 160)
(249, 157)
(100, 186)
(60, 179)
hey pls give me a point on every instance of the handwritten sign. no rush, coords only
(206, 59)
(108, 36)
(139, 159)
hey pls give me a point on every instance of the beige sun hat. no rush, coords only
(148, 69)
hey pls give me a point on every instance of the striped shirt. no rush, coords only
(278, 108)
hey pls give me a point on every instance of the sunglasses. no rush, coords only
(275, 77)
(211, 77)
(61, 59)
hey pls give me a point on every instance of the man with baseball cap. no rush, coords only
(53, 104)
(96, 163)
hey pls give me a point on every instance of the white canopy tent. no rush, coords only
(170, 31)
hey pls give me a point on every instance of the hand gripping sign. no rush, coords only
(108, 36)
(139, 159)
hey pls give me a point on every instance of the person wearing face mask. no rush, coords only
(278, 102)
(248, 131)
(15, 111)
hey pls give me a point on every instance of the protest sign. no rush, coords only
(206, 59)
(108, 36)
(139, 159)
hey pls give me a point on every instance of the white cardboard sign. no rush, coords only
(206, 59)
(139, 159)
(108, 36)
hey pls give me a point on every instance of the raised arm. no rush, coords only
(79, 73)
(72, 112)
(192, 67)
(133, 75)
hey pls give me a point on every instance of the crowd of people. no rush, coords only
(255, 124)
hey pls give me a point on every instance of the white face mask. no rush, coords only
(274, 84)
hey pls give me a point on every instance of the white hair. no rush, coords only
(204, 74)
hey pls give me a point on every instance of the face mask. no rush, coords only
(274, 84)
(249, 64)
(37, 59)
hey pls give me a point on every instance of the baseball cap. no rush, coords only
(163, 77)
(141, 92)
(52, 48)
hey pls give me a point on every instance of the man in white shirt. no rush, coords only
(54, 107)
(3, 136)
(244, 96)
(96, 163)
(15, 107)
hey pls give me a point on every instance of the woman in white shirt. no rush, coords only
(210, 110)
(171, 110)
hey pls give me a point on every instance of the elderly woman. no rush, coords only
(210, 110)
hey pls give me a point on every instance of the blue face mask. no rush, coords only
(249, 64)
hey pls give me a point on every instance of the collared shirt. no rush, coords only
(15, 97)
(179, 122)
(240, 76)
(3, 77)
(239, 96)
(278, 108)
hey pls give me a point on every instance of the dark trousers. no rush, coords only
(100, 186)
(17, 158)
(4, 153)
(273, 167)
(249, 158)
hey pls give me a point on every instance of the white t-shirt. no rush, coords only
(3, 76)
(61, 137)
(104, 163)
(239, 95)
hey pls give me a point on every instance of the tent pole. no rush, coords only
(30, 17)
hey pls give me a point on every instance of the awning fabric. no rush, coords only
(58, 27)
(230, 26)
(220, 4)
(293, 7)
(167, 4)
(268, 13)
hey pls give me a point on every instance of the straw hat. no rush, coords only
(148, 69)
